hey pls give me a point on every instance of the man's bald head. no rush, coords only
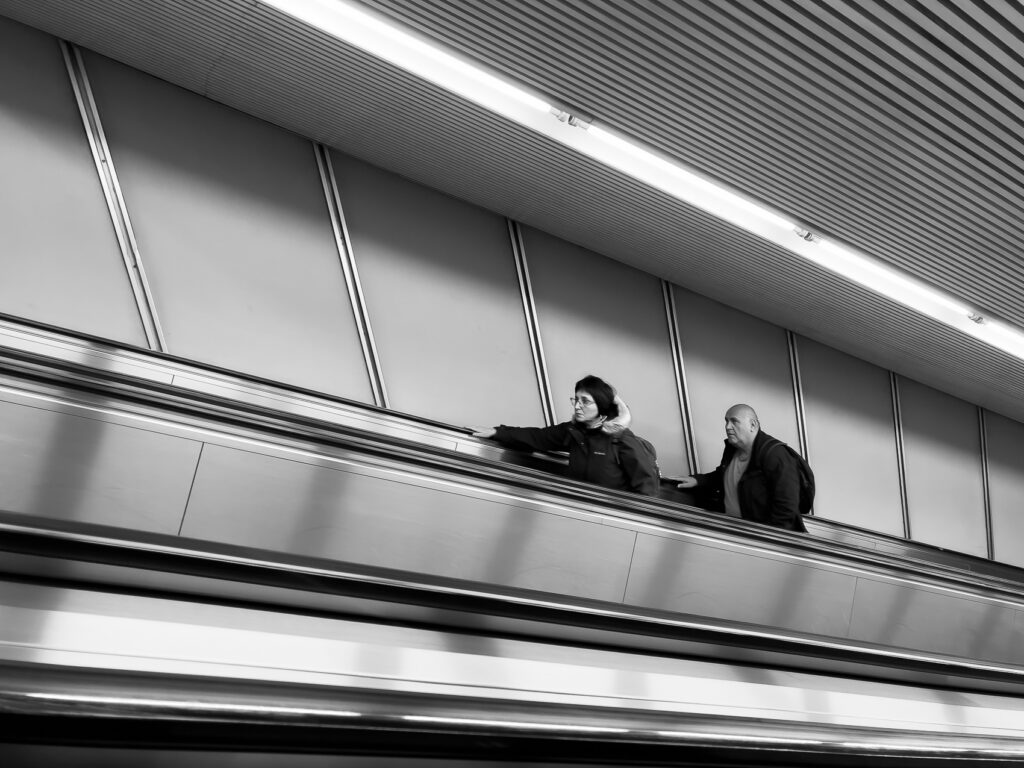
(741, 427)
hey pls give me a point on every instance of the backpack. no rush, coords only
(806, 478)
(650, 453)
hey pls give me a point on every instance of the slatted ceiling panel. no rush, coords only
(149, 36)
(748, 53)
(926, 242)
(695, 82)
(983, 214)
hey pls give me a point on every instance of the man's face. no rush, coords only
(740, 428)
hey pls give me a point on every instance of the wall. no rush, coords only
(270, 256)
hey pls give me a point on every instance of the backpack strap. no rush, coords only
(768, 446)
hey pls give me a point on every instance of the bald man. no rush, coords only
(757, 477)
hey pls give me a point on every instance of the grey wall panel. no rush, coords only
(59, 258)
(599, 316)
(443, 299)
(730, 358)
(945, 492)
(71, 467)
(909, 616)
(685, 576)
(399, 522)
(1006, 487)
(234, 231)
(851, 439)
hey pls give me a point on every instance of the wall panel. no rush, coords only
(914, 616)
(59, 258)
(942, 447)
(599, 316)
(396, 520)
(1006, 487)
(443, 298)
(74, 468)
(234, 232)
(686, 576)
(851, 439)
(731, 357)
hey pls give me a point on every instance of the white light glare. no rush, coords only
(640, 163)
(514, 724)
(897, 747)
(390, 43)
(200, 705)
(882, 279)
(733, 737)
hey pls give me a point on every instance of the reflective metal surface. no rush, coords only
(706, 579)
(81, 466)
(134, 268)
(402, 521)
(365, 498)
(120, 668)
(896, 614)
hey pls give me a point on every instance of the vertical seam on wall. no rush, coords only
(676, 344)
(532, 323)
(901, 467)
(191, 485)
(853, 605)
(985, 489)
(629, 568)
(343, 243)
(798, 393)
(116, 206)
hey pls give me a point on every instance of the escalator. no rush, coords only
(199, 567)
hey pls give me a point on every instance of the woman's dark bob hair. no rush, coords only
(603, 394)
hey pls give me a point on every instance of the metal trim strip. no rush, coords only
(346, 256)
(540, 367)
(679, 369)
(110, 707)
(798, 393)
(901, 465)
(222, 563)
(985, 487)
(145, 303)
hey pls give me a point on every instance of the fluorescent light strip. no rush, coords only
(192, 705)
(372, 33)
(751, 739)
(513, 724)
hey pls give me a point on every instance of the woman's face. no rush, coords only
(584, 409)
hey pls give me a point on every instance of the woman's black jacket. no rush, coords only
(613, 461)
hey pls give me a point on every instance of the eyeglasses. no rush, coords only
(582, 402)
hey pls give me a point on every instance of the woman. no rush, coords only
(601, 448)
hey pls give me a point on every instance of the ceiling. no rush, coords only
(893, 127)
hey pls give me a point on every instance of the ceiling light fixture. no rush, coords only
(383, 39)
